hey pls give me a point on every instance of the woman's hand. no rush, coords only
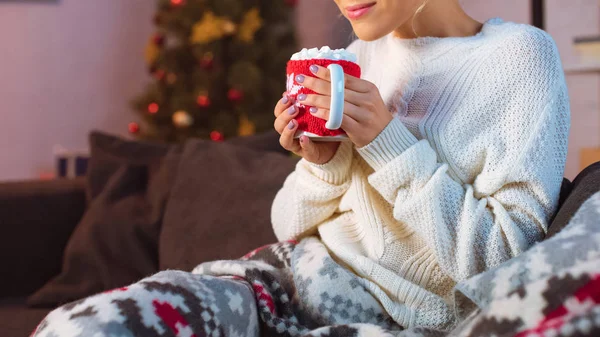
(365, 113)
(286, 126)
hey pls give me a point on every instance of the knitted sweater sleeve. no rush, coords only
(311, 194)
(519, 145)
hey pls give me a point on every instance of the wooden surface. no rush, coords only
(588, 157)
(588, 50)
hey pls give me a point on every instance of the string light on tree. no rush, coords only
(177, 3)
(216, 136)
(203, 100)
(153, 108)
(159, 74)
(235, 95)
(133, 128)
(159, 39)
(207, 60)
(246, 127)
(171, 78)
(182, 119)
(228, 27)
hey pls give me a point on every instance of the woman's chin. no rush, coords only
(365, 31)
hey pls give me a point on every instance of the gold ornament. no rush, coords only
(251, 23)
(152, 51)
(246, 127)
(171, 78)
(228, 27)
(211, 28)
(182, 119)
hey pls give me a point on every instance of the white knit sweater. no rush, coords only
(466, 176)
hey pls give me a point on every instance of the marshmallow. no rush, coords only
(324, 53)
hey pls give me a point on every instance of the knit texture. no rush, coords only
(306, 121)
(466, 176)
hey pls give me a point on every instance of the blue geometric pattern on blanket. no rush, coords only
(166, 304)
(578, 242)
(329, 293)
(346, 309)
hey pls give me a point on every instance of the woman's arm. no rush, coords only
(311, 194)
(506, 208)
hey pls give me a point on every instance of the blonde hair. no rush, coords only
(417, 12)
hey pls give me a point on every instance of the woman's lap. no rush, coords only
(226, 298)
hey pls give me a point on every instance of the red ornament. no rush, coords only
(203, 101)
(207, 61)
(216, 136)
(176, 3)
(235, 95)
(133, 127)
(159, 74)
(153, 108)
(159, 39)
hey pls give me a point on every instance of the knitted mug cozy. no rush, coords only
(306, 121)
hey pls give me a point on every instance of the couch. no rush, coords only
(39, 219)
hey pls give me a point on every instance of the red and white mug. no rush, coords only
(339, 62)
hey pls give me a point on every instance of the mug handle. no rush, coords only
(336, 109)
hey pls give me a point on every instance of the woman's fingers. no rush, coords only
(356, 98)
(350, 125)
(315, 84)
(287, 140)
(285, 117)
(354, 112)
(309, 150)
(319, 113)
(350, 111)
(357, 84)
(282, 105)
(351, 102)
(319, 101)
(351, 82)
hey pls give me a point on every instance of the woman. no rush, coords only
(461, 141)
(458, 139)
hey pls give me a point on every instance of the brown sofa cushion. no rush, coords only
(115, 243)
(584, 186)
(266, 141)
(128, 185)
(220, 203)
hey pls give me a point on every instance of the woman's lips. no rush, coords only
(355, 12)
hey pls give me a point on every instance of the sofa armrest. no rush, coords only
(586, 184)
(36, 220)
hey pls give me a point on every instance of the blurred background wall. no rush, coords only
(66, 67)
(567, 20)
(70, 66)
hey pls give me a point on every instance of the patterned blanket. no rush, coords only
(553, 289)
(298, 289)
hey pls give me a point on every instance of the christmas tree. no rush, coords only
(218, 68)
